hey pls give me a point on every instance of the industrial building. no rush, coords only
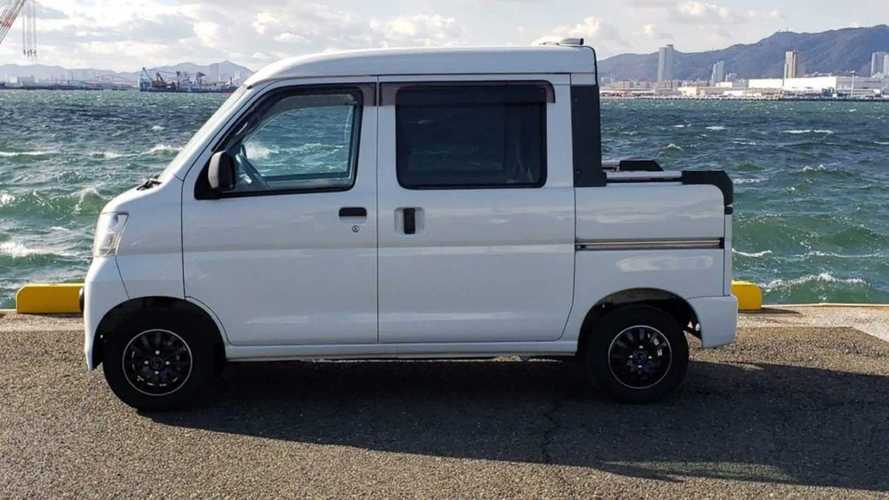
(844, 86)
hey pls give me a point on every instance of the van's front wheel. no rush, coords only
(160, 360)
(638, 354)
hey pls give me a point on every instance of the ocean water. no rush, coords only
(811, 179)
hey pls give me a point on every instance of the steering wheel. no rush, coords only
(249, 169)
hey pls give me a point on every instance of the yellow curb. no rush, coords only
(749, 295)
(48, 298)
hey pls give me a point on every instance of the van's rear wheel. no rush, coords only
(159, 360)
(638, 354)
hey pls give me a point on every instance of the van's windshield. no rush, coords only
(202, 134)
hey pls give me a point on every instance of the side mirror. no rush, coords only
(221, 174)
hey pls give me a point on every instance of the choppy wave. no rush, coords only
(819, 168)
(752, 254)
(108, 155)
(824, 277)
(749, 180)
(826, 241)
(13, 154)
(18, 250)
(162, 148)
(835, 255)
(809, 131)
(716, 127)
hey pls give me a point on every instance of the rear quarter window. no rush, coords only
(467, 137)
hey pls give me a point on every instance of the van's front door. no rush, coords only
(476, 211)
(289, 256)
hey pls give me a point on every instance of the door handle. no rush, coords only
(353, 212)
(410, 220)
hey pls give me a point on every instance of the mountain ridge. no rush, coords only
(834, 51)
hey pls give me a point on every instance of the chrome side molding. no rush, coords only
(650, 244)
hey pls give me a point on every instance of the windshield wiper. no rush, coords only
(149, 183)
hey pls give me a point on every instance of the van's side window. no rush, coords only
(299, 142)
(466, 136)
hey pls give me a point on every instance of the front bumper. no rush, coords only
(103, 290)
(718, 317)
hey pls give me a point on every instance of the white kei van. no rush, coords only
(422, 203)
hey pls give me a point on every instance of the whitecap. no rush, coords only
(716, 127)
(798, 131)
(812, 278)
(86, 195)
(819, 253)
(755, 180)
(752, 254)
(108, 155)
(6, 199)
(679, 126)
(157, 128)
(161, 148)
(16, 250)
(819, 168)
(881, 143)
(13, 154)
(823, 131)
(673, 146)
(257, 151)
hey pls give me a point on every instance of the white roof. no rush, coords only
(426, 61)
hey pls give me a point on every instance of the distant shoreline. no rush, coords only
(783, 99)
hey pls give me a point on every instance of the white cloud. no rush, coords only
(702, 12)
(422, 29)
(651, 31)
(710, 13)
(594, 31)
(209, 33)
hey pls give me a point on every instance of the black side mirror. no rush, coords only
(221, 174)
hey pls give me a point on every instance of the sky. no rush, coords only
(124, 35)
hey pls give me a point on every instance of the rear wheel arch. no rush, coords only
(666, 301)
(119, 314)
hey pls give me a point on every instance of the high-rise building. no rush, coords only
(878, 63)
(718, 73)
(886, 66)
(791, 64)
(665, 63)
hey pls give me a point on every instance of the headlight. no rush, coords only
(108, 232)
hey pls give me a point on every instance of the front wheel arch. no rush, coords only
(119, 314)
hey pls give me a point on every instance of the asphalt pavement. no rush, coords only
(788, 410)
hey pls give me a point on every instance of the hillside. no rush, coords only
(834, 51)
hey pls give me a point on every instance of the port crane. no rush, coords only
(9, 11)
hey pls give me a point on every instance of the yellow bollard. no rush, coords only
(48, 298)
(749, 295)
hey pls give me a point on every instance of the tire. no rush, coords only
(649, 369)
(160, 359)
